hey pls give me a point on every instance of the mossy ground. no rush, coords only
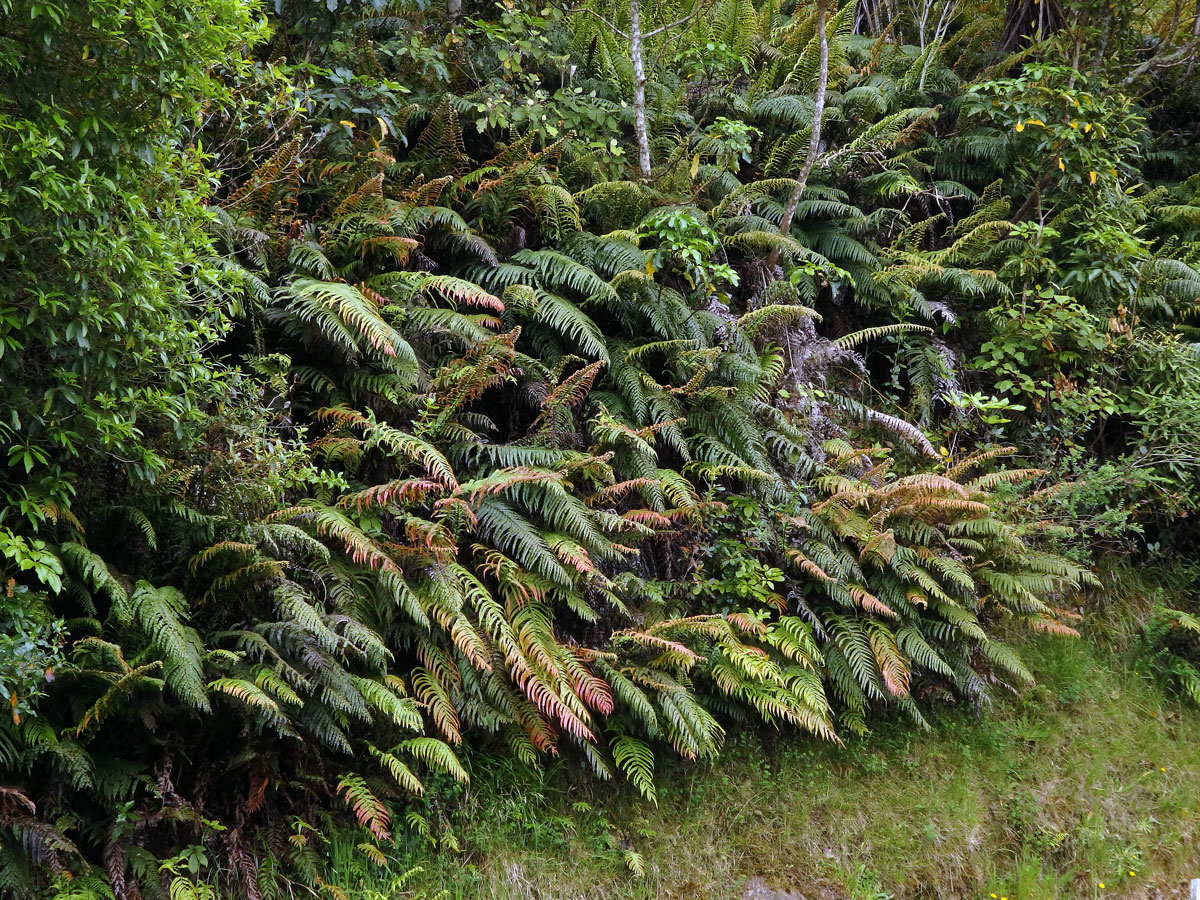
(1085, 786)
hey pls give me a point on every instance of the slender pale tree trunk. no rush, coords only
(639, 88)
(814, 138)
(1195, 35)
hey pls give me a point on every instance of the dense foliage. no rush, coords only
(386, 383)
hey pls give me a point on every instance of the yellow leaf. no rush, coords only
(1036, 122)
(347, 123)
(1092, 177)
(695, 164)
(1060, 165)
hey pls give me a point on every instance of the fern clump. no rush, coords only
(427, 418)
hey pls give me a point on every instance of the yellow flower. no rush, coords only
(1102, 884)
(993, 895)
(1161, 769)
(1060, 165)
(1087, 127)
(1092, 176)
(1074, 124)
(1020, 126)
(1132, 873)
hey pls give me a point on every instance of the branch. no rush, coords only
(1169, 60)
(700, 7)
(605, 21)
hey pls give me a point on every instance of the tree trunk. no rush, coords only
(814, 138)
(639, 88)
(1195, 35)
(1030, 20)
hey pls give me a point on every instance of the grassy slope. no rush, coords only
(1085, 779)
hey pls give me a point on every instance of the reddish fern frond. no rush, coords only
(593, 689)
(420, 192)
(893, 667)
(552, 706)
(682, 651)
(456, 507)
(339, 448)
(370, 811)
(257, 794)
(574, 389)
(405, 491)
(975, 460)
(364, 200)
(533, 627)
(429, 537)
(882, 546)
(487, 365)
(650, 518)
(341, 415)
(279, 172)
(57, 511)
(398, 248)
(11, 798)
(373, 295)
(869, 601)
(922, 484)
(1050, 626)
(747, 623)
(614, 492)
(517, 586)
(572, 554)
(540, 732)
(470, 644)
(330, 522)
(463, 292)
(807, 566)
(503, 480)
(437, 700)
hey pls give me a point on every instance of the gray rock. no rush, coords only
(756, 889)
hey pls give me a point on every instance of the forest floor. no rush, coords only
(1085, 786)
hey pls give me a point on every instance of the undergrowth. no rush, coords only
(1090, 778)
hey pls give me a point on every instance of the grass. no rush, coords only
(1085, 786)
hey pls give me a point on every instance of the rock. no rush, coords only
(756, 889)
